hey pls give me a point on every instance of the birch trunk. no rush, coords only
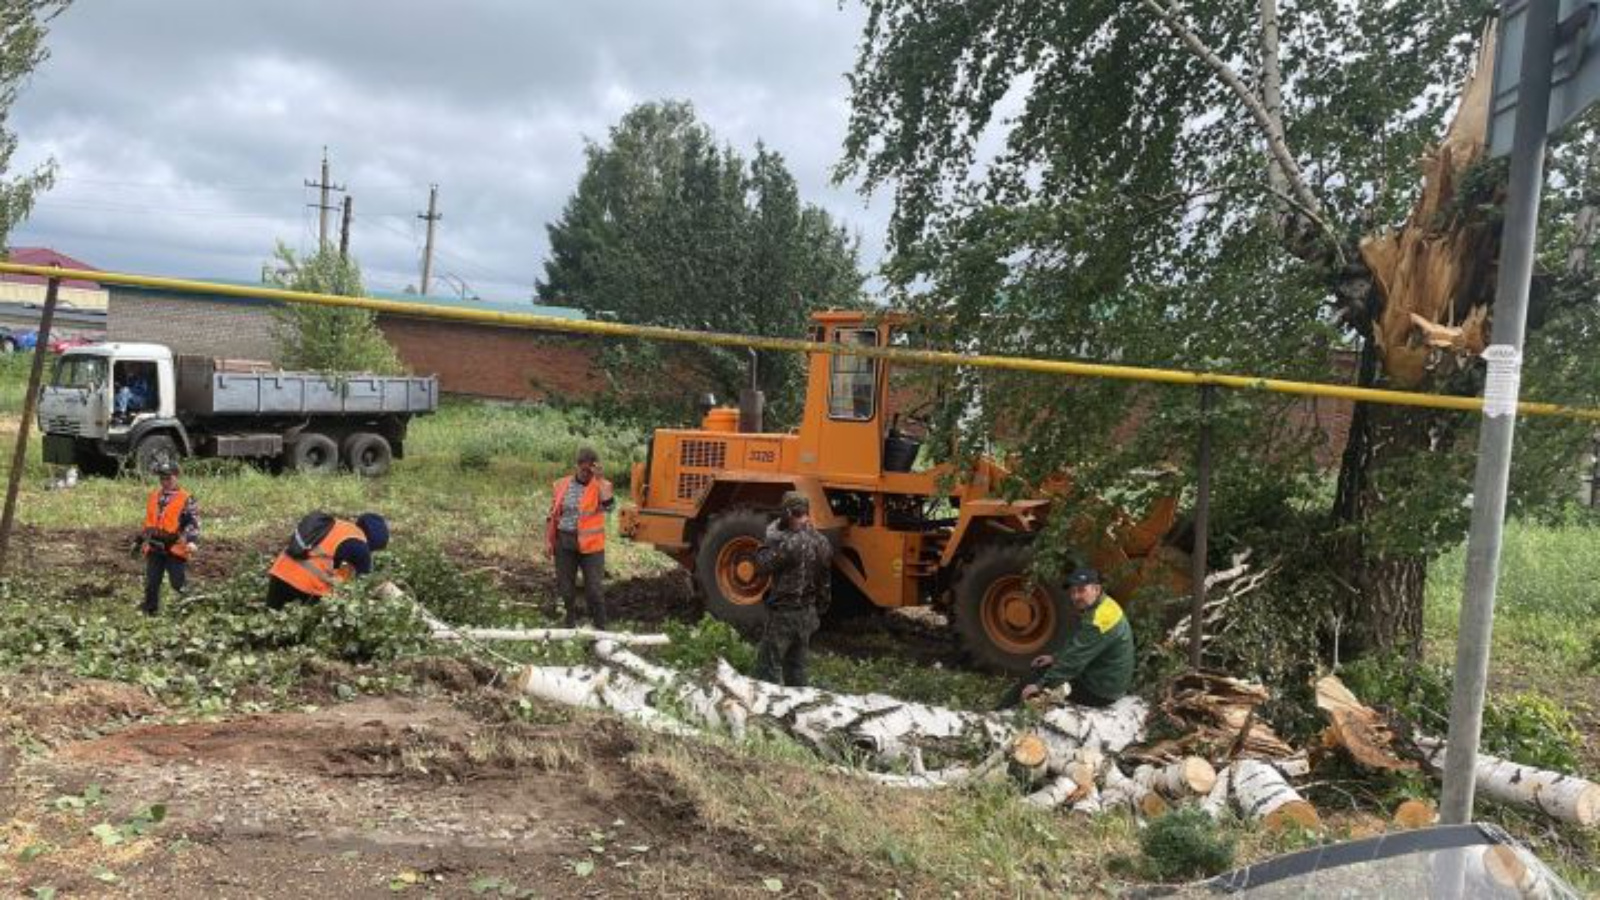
(1122, 791)
(1188, 777)
(1259, 792)
(443, 632)
(1556, 794)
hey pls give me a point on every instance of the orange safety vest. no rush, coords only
(166, 520)
(316, 574)
(591, 518)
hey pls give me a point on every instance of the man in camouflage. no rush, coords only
(799, 561)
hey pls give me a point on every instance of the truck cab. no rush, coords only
(102, 397)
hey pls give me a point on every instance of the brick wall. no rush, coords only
(486, 361)
(201, 326)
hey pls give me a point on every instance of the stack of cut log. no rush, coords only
(1221, 755)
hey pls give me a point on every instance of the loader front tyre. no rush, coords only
(368, 454)
(725, 568)
(313, 454)
(1005, 619)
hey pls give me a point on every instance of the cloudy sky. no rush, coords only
(186, 129)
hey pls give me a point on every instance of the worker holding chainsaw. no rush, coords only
(799, 560)
(171, 530)
(1094, 666)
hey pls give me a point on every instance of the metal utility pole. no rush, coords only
(322, 206)
(432, 217)
(344, 228)
(30, 405)
(1504, 356)
(1202, 528)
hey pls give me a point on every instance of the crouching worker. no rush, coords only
(1095, 664)
(324, 552)
(799, 561)
(171, 528)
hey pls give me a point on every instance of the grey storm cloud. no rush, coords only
(184, 129)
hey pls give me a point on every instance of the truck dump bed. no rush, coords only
(208, 386)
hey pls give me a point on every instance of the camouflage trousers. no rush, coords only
(786, 644)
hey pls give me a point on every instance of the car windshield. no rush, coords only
(80, 372)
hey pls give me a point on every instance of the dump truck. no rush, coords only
(115, 405)
(942, 536)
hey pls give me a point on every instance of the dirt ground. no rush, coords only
(435, 795)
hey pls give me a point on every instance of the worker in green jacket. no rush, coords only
(1095, 663)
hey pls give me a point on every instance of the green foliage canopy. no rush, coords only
(326, 338)
(22, 49)
(668, 228)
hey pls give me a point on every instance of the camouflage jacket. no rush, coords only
(800, 564)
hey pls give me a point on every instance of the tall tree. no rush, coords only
(22, 49)
(1212, 184)
(328, 338)
(668, 228)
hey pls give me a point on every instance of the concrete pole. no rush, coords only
(427, 251)
(344, 228)
(1499, 420)
(30, 406)
(322, 205)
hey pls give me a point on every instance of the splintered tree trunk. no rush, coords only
(1425, 319)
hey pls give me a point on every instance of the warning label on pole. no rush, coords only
(1504, 381)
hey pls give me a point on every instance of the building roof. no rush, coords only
(44, 256)
(500, 306)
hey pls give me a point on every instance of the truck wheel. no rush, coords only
(313, 454)
(1004, 621)
(725, 568)
(153, 450)
(368, 454)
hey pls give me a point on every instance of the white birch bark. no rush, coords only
(1556, 794)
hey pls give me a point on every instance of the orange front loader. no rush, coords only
(705, 497)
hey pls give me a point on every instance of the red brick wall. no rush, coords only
(485, 361)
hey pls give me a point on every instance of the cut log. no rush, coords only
(1259, 792)
(1556, 794)
(1069, 728)
(1357, 728)
(1506, 868)
(1089, 804)
(1058, 791)
(443, 632)
(1188, 777)
(1122, 791)
(1028, 758)
(1415, 814)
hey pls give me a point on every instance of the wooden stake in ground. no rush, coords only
(30, 402)
(1565, 797)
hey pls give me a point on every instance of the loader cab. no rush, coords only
(845, 426)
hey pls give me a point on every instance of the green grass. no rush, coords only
(1547, 602)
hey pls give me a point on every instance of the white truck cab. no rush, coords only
(103, 390)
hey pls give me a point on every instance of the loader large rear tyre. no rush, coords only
(724, 568)
(1004, 618)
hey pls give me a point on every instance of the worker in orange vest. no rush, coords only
(575, 535)
(171, 528)
(323, 553)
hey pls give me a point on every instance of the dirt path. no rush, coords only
(377, 797)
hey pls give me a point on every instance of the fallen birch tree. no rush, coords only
(1556, 794)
